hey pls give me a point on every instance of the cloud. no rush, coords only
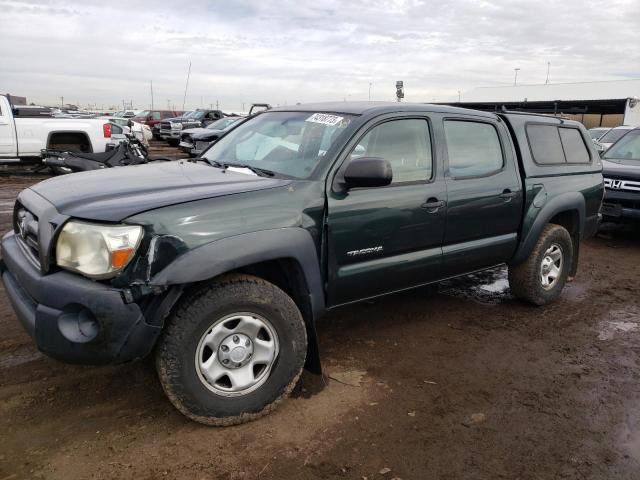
(297, 51)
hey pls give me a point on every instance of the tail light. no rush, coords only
(106, 130)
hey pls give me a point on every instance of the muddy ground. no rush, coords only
(458, 381)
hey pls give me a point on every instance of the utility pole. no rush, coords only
(62, 101)
(151, 94)
(184, 99)
(515, 79)
(217, 105)
(548, 68)
(459, 96)
(370, 85)
(168, 104)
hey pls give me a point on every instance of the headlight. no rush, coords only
(95, 250)
(176, 126)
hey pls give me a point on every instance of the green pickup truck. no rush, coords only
(221, 265)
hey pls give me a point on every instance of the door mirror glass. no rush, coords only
(368, 172)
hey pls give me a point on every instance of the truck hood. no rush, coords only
(629, 170)
(117, 193)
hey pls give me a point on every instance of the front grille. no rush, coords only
(165, 125)
(620, 184)
(26, 227)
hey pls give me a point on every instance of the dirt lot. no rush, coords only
(457, 381)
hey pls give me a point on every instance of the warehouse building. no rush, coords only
(595, 104)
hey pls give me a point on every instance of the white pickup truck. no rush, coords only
(26, 131)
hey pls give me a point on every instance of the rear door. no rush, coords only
(8, 147)
(385, 239)
(484, 194)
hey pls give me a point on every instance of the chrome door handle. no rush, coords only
(433, 204)
(507, 194)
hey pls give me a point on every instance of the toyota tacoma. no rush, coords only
(220, 266)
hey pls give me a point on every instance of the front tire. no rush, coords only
(541, 277)
(232, 351)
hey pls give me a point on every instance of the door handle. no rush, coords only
(433, 204)
(507, 195)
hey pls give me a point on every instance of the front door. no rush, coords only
(385, 239)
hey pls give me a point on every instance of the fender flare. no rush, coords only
(228, 254)
(562, 203)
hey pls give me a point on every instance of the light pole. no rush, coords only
(548, 68)
(515, 79)
(370, 85)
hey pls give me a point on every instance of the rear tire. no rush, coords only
(541, 277)
(209, 357)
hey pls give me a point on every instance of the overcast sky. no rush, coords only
(290, 51)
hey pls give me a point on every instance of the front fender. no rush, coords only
(539, 216)
(231, 253)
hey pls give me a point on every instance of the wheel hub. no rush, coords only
(235, 351)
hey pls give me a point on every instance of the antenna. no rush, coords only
(184, 99)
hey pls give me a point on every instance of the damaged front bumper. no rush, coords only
(77, 320)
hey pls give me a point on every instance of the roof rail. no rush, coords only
(518, 112)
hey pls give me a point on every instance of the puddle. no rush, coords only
(19, 357)
(489, 287)
(620, 322)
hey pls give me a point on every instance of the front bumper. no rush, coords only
(71, 318)
(185, 146)
(621, 206)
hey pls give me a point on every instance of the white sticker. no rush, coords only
(325, 119)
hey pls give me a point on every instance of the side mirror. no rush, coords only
(368, 172)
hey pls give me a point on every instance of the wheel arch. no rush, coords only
(70, 137)
(566, 210)
(286, 257)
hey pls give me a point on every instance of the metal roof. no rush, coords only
(616, 89)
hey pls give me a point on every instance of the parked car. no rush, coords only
(154, 117)
(221, 267)
(127, 113)
(621, 170)
(195, 140)
(612, 136)
(598, 132)
(171, 128)
(142, 132)
(24, 134)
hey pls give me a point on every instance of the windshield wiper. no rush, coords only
(263, 172)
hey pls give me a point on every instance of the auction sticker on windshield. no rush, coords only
(325, 119)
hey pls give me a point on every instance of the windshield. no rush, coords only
(614, 135)
(197, 114)
(288, 143)
(627, 150)
(222, 123)
(143, 114)
(187, 114)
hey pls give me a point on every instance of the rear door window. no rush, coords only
(575, 150)
(474, 148)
